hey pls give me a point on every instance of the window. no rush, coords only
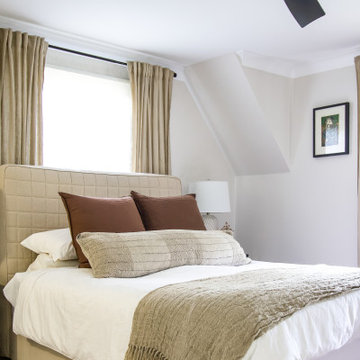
(87, 121)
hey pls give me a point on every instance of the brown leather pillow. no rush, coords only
(176, 212)
(89, 214)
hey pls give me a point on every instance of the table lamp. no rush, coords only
(211, 197)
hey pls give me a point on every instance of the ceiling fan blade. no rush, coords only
(305, 11)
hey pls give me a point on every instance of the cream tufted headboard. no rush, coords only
(30, 203)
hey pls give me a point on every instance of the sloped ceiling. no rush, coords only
(247, 110)
(252, 133)
(188, 31)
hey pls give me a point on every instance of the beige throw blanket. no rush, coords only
(219, 318)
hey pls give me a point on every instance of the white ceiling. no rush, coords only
(190, 31)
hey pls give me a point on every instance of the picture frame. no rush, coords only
(331, 130)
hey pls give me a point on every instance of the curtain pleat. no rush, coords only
(22, 64)
(357, 67)
(151, 88)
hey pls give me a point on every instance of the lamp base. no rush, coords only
(211, 222)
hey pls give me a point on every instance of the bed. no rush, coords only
(30, 203)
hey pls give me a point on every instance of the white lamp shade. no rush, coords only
(211, 196)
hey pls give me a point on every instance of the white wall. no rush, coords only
(195, 154)
(274, 94)
(309, 214)
(232, 108)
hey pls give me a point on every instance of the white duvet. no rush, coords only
(83, 318)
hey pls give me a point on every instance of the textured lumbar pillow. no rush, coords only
(141, 253)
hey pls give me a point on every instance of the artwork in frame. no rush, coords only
(331, 130)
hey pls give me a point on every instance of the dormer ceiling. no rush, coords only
(217, 48)
(188, 31)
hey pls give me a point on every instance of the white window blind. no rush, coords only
(87, 116)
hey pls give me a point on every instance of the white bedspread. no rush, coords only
(84, 318)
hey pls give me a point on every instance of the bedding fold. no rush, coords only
(219, 318)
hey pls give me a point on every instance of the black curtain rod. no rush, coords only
(90, 55)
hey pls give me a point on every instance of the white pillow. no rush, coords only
(57, 243)
(44, 261)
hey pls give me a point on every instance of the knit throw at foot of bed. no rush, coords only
(219, 318)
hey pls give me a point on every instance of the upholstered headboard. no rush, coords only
(29, 203)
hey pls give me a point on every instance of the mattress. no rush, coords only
(84, 318)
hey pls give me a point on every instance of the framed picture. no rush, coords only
(331, 130)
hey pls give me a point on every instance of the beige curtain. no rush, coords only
(151, 89)
(22, 62)
(357, 67)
